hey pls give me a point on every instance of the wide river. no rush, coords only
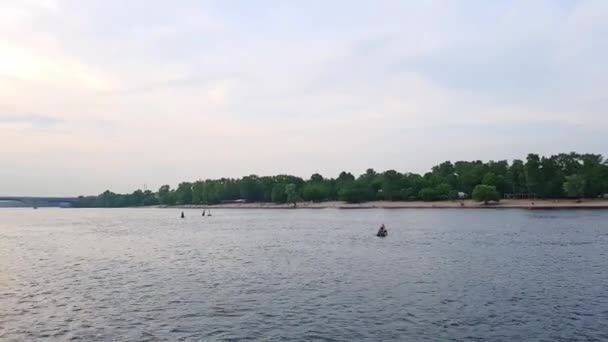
(273, 275)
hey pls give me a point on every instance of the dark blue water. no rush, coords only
(462, 275)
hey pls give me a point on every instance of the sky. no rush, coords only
(114, 94)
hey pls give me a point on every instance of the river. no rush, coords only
(274, 275)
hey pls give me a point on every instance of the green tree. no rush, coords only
(316, 178)
(490, 179)
(345, 177)
(574, 186)
(442, 191)
(107, 199)
(278, 193)
(165, 196)
(447, 173)
(591, 170)
(544, 176)
(315, 192)
(356, 192)
(413, 184)
(604, 176)
(198, 192)
(470, 174)
(516, 178)
(149, 198)
(533, 174)
(292, 194)
(391, 181)
(428, 194)
(136, 198)
(252, 189)
(569, 163)
(552, 178)
(183, 193)
(485, 193)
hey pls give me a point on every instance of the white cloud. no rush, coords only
(162, 93)
(50, 69)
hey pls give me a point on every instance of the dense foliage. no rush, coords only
(562, 175)
(486, 193)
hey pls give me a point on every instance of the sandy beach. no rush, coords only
(467, 204)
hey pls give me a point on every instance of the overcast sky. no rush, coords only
(112, 94)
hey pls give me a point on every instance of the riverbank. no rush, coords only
(467, 204)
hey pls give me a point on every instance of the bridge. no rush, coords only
(27, 201)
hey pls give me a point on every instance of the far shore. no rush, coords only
(466, 204)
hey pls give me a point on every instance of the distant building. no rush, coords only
(462, 195)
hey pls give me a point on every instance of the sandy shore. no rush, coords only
(468, 204)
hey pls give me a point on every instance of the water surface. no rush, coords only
(145, 274)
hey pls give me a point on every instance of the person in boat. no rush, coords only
(382, 231)
(183, 214)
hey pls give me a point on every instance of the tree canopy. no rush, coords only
(485, 193)
(557, 176)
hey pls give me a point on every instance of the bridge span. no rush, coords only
(33, 201)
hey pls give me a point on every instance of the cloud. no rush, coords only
(145, 91)
(51, 69)
(18, 13)
(33, 121)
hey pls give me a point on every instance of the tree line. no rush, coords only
(563, 175)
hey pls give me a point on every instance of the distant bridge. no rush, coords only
(31, 201)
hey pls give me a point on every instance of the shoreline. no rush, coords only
(467, 204)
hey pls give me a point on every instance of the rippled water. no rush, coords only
(145, 274)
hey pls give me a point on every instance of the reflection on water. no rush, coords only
(145, 274)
